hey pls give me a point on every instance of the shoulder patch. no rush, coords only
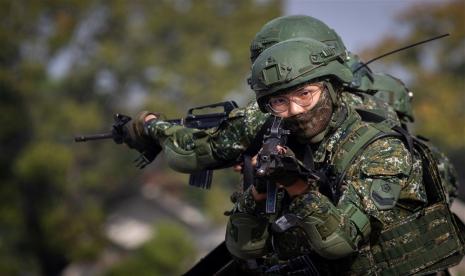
(384, 194)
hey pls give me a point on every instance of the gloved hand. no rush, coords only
(134, 135)
(131, 132)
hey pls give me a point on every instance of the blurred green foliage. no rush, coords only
(65, 68)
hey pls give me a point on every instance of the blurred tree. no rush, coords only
(65, 67)
(435, 72)
(35, 164)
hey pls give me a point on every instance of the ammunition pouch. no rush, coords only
(292, 236)
(425, 242)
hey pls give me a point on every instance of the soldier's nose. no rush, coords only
(295, 109)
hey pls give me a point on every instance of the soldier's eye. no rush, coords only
(305, 94)
(278, 101)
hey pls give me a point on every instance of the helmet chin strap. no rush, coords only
(332, 93)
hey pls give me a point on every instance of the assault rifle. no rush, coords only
(269, 161)
(277, 164)
(193, 119)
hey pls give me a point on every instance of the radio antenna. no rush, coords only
(398, 50)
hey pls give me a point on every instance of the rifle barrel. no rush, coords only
(101, 136)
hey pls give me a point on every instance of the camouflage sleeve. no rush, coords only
(189, 150)
(236, 135)
(247, 204)
(387, 181)
(247, 232)
(332, 232)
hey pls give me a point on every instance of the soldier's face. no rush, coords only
(297, 101)
(308, 118)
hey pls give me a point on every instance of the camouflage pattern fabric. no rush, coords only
(227, 141)
(386, 161)
(370, 103)
(379, 92)
(447, 172)
(385, 168)
(234, 136)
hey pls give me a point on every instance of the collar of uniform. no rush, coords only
(336, 134)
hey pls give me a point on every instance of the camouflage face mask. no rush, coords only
(313, 122)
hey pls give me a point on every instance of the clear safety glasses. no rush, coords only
(302, 96)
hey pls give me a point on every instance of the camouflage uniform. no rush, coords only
(382, 186)
(387, 90)
(384, 164)
(392, 210)
(447, 173)
(381, 87)
(217, 146)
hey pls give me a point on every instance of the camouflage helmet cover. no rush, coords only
(294, 26)
(294, 62)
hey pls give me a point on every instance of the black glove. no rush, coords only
(284, 168)
(131, 132)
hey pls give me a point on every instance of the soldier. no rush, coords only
(380, 186)
(371, 228)
(190, 150)
(381, 94)
(235, 136)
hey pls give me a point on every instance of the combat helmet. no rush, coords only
(294, 62)
(294, 26)
(395, 93)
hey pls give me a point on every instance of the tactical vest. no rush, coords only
(427, 241)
